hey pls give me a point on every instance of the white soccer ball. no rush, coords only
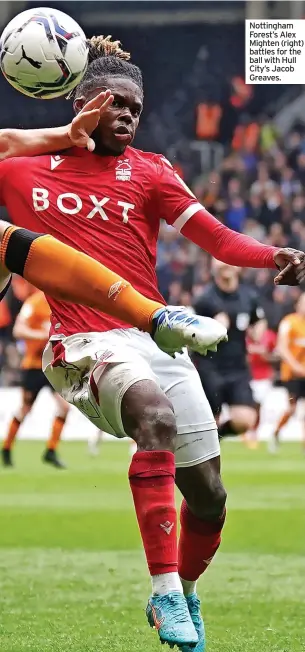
(43, 53)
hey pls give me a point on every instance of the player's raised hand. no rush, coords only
(291, 264)
(86, 121)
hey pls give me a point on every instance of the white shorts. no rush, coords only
(94, 370)
(261, 389)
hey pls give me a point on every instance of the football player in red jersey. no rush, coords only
(261, 343)
(109, 204)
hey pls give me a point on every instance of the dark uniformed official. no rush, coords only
(225, 375)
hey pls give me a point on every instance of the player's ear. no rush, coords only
(79, 103)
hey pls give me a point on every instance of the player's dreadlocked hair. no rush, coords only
(106, 59)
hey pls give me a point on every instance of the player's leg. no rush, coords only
(29, 395)
(75, 276)
(148, 418)
(251, 435)
(197, 476)
(238, 395)
(120, 395)
(50, 454)
(202, 518)
(260, 390)
(95, 440)
(293, 387)
(78, 278)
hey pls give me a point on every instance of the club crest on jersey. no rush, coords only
(123, 170)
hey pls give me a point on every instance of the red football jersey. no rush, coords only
(107, 207)
(262, 369)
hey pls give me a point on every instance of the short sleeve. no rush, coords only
(175, 201)
(5, 168)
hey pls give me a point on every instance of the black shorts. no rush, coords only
(33, 380)
(229, 388)
(295, 388)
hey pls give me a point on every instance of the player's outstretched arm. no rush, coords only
(32, 142)
(69, 275)
(241, 250)
(179, 206)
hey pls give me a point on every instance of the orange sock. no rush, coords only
(12, 433)
(69, 275)
(57, 427)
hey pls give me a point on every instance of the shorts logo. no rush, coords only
(105, 356)
(123, 170)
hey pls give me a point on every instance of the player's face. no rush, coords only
(118, 124)
(223, 271)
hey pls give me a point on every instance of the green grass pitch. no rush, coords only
(73, 576)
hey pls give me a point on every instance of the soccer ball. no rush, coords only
(43, 53)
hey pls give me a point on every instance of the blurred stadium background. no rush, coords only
(72, 571)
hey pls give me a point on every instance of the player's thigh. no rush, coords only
(33, 380)
(243, 411)
(95, 372)
(197, 437)
(294, 390)
(101, 393)
(148, 416)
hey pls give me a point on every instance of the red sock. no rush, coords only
(152, 482)
(199, 541)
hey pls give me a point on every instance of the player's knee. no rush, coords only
(148, 417)
(243, 418)
(157, 429)
(217, 497)
(210, 502)
(26, 408)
